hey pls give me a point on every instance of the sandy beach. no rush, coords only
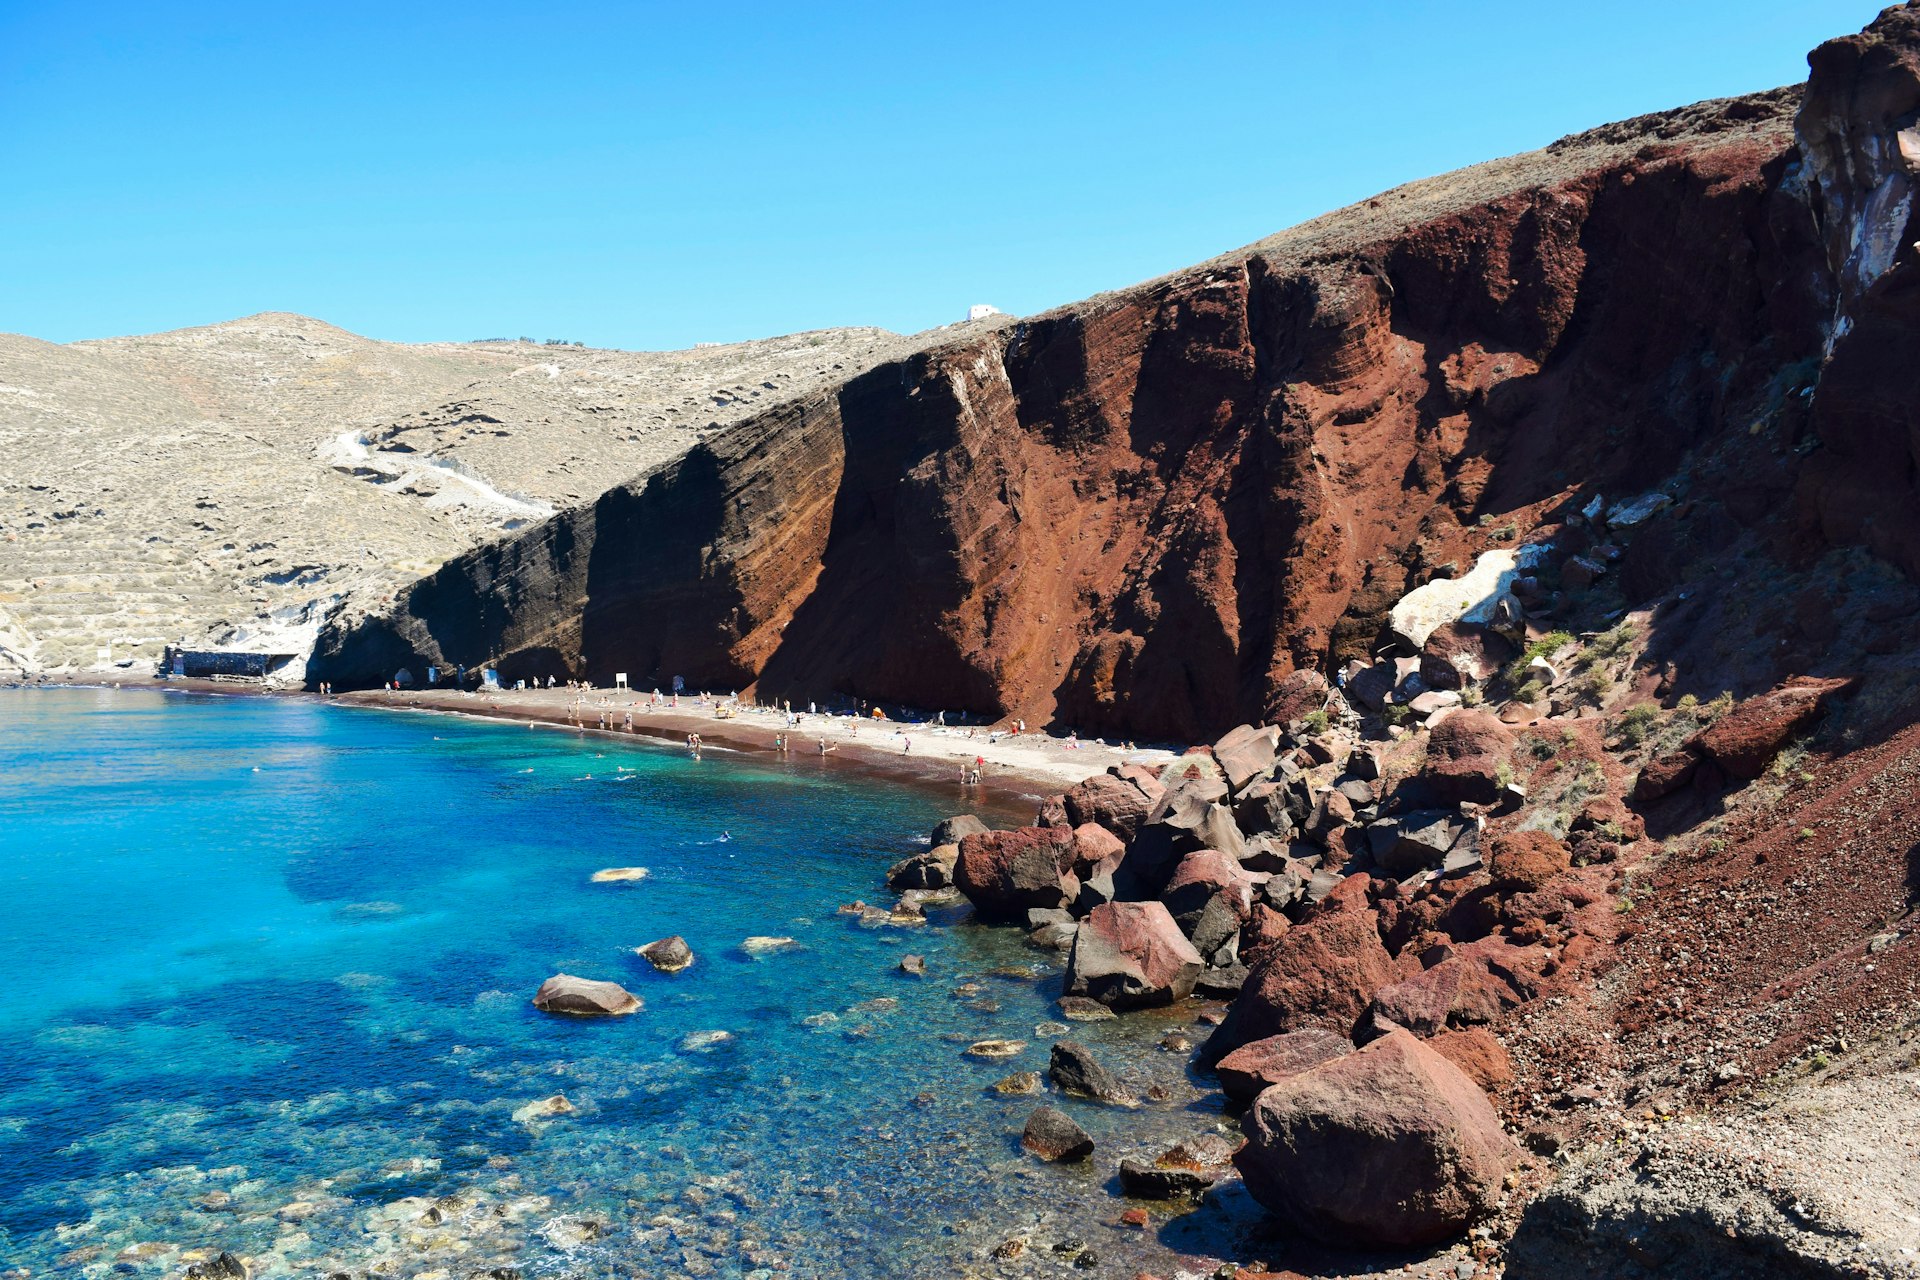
(1011, 765)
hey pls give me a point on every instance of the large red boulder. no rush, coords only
(1322, 973)
(1115, 803)
(1663, 777)
(1007, 873)
(1391, 1145)
(1298, 695)
(1130, 955)
(1465, 753)
(1094, 846)
(1458, 991)
(1247, 753)
(1252, 1069)
(1199, 877)
(1458, 654)
(1745, 740)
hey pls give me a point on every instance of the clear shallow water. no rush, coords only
(271, 965)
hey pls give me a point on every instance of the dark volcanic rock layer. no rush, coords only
(1139, 514)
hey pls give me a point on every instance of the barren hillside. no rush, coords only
(233, 483)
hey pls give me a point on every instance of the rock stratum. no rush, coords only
(237, 484)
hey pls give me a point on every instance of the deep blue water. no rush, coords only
(269, 969)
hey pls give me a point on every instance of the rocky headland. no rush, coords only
(1545, 529)
(1534, 546)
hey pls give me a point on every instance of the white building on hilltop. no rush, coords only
(980, 311)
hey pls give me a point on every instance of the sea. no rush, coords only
(272, 963)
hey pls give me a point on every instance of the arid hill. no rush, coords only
(237, 483)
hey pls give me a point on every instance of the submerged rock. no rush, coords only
(668, 955)
(1077, 1071)
(584, 997)
(994, 1048)
(544, 1109)
(615, 875)
(760, 945)
(1185, 1170)
(1051, 1134)
(1019, 1083)
(1081, 1009)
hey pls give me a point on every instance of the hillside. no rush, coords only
(236, 483)
(1141, 514)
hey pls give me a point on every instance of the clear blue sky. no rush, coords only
(643, 175)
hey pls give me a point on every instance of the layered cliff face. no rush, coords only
(1139, 514)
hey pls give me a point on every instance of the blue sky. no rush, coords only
(646, 176)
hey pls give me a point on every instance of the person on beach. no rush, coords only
(629, 722)
(906, 745)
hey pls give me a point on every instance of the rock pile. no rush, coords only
(1365, 927)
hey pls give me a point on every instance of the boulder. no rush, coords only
(1019, 1084)
(1458, 991)
(1052, 1135)
(1460, 654)
(1252, 1069)
(1372, 686)
(1221, 982)
(1113, 803)
(1095, 849)
(954, 830)
(1052, 813)
(1004, 873)
(1331, 811)
(1184, 1171)
(1131, 955)
(1246, 753)
(1198, 878)
(1414, 842)
(1661, 778)
(1185, 803)
(222, 1266)
(1745, 740)
(1471, 598)
(1149, 862)
(1298, 695)
(1477, 1053)
(1262, 810)
(1391, 1145)
(669, 955)
(1147, 779)
(1465, 755)
(915, 965)
(1525, 860)
(584, 997)
(1216, 930)
(928, 869)
(1081, 1009)
(1217, 830)
(1078, 1072)
(1321, 973)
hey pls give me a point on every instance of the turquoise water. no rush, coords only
(270, 965)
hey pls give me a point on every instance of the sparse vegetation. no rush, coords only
(1636, 723)
(1315, 721)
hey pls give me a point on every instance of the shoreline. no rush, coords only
(1017, 769)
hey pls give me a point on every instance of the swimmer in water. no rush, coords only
(725, 836)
